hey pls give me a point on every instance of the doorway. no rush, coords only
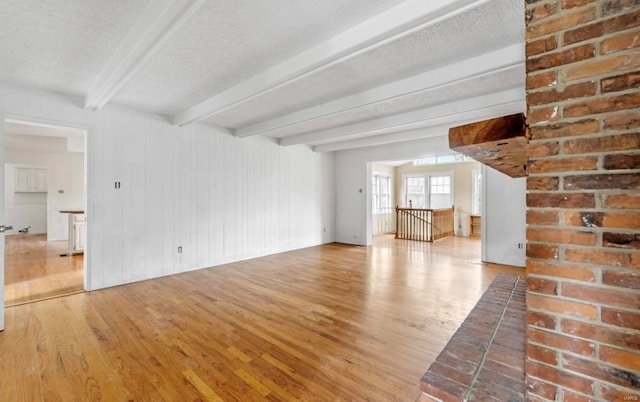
(44, 174)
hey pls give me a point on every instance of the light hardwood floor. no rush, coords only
(326, 323)
(35, 271)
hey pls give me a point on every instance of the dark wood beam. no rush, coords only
(500, 143)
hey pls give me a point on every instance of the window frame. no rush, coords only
(376, 207)
(427, 188)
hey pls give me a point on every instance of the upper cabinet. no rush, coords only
(31, 180)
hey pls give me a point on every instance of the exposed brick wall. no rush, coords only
(583, 200)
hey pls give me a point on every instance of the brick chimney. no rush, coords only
(583, 200)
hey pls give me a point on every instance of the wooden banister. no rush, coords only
(423, 224)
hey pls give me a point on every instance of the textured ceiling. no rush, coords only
(62, 45)
(238, 64)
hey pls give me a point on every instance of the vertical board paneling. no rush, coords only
(202, 211)
(219, 197)
(154, 208)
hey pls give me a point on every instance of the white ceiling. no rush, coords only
(332, 74)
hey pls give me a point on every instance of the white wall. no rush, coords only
(503, 218)
(218, 197)
(353, 172)
(66, 174)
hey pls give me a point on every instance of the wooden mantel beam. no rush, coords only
(500, 143)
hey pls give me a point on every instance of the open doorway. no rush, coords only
(435, 183)
(44, 175)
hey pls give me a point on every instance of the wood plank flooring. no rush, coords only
(34, 269)
(326, 323)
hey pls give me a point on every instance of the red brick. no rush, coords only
(601, 334)
(597, 66)
(541, 46)
(620, 161)
(540, 149)
(623, 21)
(541, 389)
(582, 127)
(562, 236)
(560, 271)
(560, 377)
(541, 11)
(618, 181)
(603, 105)
(621, 240)
(585, 219)
(543, 286)
(563, 164)
(543, 355)
(541, 80)
(621, 358)
(601, 144)
(610, 393)
(555, 305)
(630, 280)
(593, 256)
(542, 115)
(601, 295)
(571, 397)
(622, 201)
(441, 387)
(585, 32)
(623, 121)
(561, 342)
(541, 320)
(561, 58)
(426, 398)
(624, 41)
(620, 82)
(615, 6)
(593, 369)
(560, 200)
(581, 90)
(535, 217)
(542, 251)
(621, 318)
(542, 183)
(621, 221)
(451, 373)
(567, 4)
(555, 24)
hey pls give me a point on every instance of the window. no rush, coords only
(434, 160)
(415, 192)
(381, 190)
(440, 194)
(429, 190)
(476, 192)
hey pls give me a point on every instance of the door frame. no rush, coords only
(88, 139)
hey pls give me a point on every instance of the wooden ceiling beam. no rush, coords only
(159, 21)
(395, 23)
(500, 143)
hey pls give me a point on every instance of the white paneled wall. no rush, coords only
(218, 197)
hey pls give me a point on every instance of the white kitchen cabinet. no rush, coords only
(79, 234)
(31, 180)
